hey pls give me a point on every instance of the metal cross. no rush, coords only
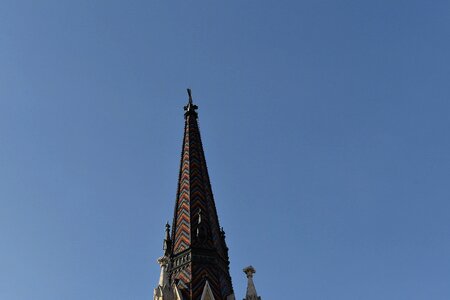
(190, 95)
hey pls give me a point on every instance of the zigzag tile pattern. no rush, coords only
(195, 226)
(182, 222)
(201, 273)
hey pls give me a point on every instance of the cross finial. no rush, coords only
(190, 95)
(190, 107)
(249, 271)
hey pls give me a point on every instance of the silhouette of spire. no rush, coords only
(198, 252)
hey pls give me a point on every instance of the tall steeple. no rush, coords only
(198, 255)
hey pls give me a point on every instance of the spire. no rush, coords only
(198, 250)
(251, 290)
(167, 241)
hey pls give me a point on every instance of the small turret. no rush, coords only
(251, 290)
(167, 246)
(163, 261)
(164, 290)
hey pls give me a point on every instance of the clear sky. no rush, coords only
(325, 126)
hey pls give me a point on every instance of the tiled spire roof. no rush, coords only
(198, 250)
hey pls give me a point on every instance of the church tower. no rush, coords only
(195, 265)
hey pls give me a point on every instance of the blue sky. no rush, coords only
(325, 126)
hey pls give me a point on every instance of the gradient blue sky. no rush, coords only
(325, 125)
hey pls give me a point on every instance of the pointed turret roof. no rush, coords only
(251, 290)
(198, 251)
